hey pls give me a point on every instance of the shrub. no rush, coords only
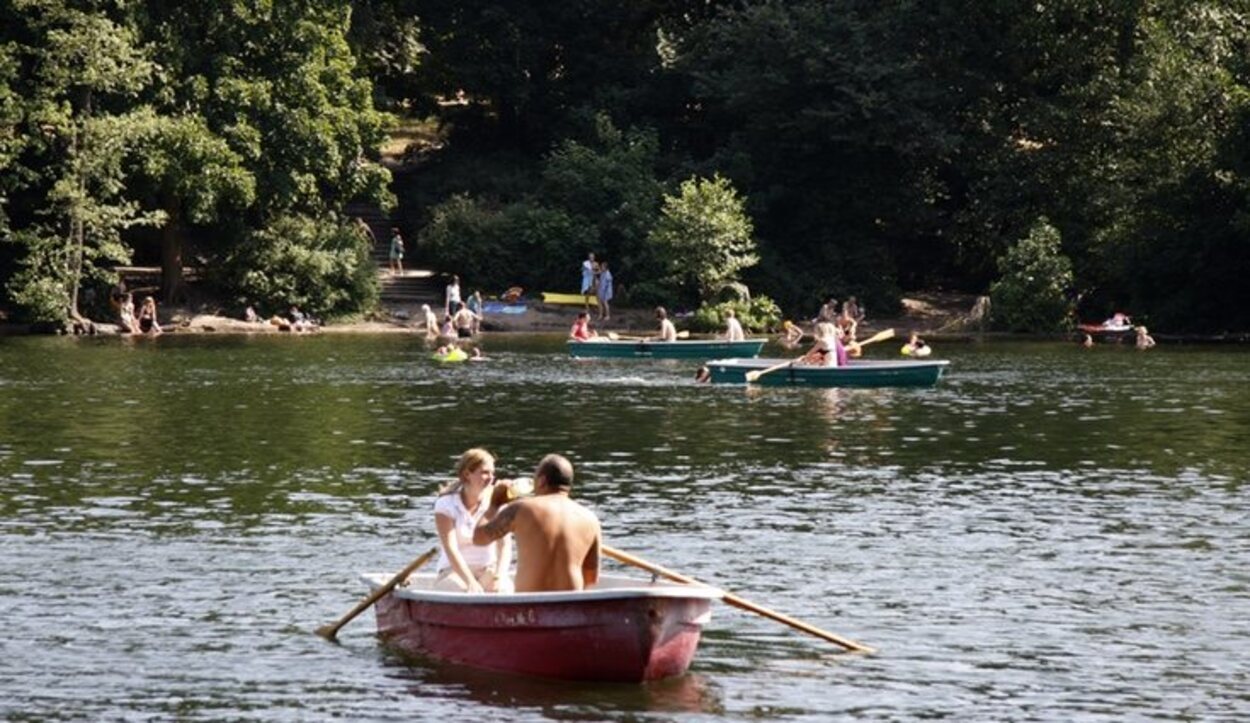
(760, 314)
(1032, 292)
(519, 244)
(325, 267)
(706, 235)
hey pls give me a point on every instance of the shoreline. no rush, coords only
(936, 316)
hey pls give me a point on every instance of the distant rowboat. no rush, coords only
(651, 349)
(858, 373)
(1106, 329)
(622, 630)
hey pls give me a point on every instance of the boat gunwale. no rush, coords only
(643, 340)
(641, 590)
(857, 364)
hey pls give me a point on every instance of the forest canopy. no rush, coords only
(869, 147)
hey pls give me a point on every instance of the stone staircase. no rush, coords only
(414, 286)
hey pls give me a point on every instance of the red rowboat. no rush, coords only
(622, 630)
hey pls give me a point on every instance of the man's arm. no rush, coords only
(590, 565)
(495, 525)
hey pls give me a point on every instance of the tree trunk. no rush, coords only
(171, 259)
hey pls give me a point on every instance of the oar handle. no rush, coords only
(330, 631)
(737, 601)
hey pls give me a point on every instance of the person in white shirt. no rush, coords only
(462, 565)
(451, 302)
(733, 327)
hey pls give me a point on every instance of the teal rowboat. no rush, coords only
(857, 374)
(680, 349)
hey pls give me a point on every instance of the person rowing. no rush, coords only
(558, 540)
(733, 327)
(827, 351)
(581, 330)
(668, 332)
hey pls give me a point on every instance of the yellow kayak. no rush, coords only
(550, 297)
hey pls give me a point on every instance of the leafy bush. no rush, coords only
(324, 267)
(760, 314)
(706, 235)
(519, 244)
(1032, 292)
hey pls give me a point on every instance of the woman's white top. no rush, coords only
(452, 506)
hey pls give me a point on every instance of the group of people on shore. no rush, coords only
(597, 284)
(131, 322)
(480, 518)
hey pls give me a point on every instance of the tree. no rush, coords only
(609, 183)
(82, 63)
(193, 176)
(261, 96)
(705, 236)
(1033, 293)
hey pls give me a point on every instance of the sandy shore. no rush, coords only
(932, 314)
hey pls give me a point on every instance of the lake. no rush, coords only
(1052, 533)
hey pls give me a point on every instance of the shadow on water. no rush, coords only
(553, 699)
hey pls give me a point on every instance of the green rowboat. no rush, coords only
(649, 349)
(857, 374)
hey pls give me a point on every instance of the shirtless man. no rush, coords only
(557, 539)
(668, 332)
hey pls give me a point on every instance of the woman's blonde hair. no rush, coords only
(826, 330)
(470, 461)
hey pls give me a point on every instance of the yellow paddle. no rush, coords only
(738, 602)
(879, 336)
(330, 631)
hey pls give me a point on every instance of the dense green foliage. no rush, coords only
(216, 122)
(872, 146)
(1032, 292)
(759, 314)
(704, 236)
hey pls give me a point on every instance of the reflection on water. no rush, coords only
(1051, 533)
(553, 699)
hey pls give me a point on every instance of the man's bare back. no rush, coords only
(557, 539)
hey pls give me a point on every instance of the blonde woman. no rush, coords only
(824, 353)
(147, 317)
(463, 566)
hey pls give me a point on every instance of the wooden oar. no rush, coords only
(738, 602)
(879, 336)
(330, 631)
(683, 334)
(752, 376)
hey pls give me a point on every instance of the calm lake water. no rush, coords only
(1052, 533)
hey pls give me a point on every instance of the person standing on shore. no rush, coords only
(605, 291)
(464, 321)
(451, 298)
(828, 311)
(588, 278)
(397, 252)
(558, 540)
(475, 307)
